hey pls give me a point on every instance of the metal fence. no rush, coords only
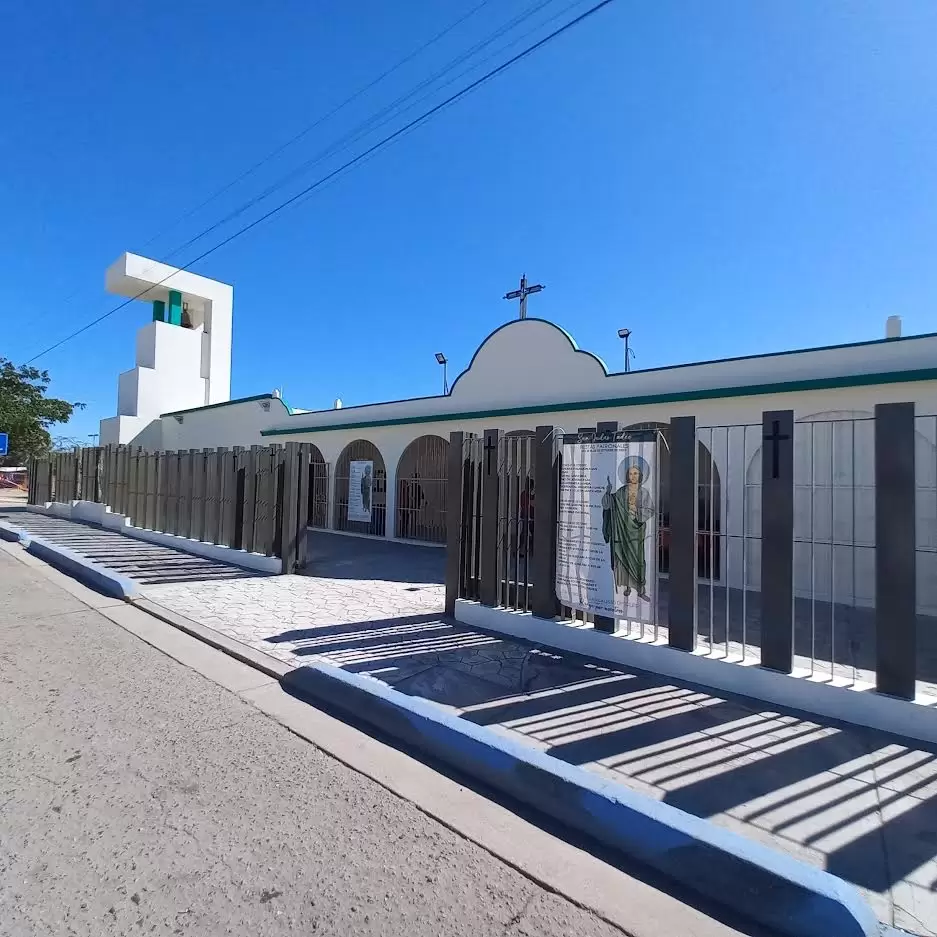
(510, 517)
(728, 539)
(318, 492)
(255, 499)
(806, 544)
(421, 490)
(361, 450)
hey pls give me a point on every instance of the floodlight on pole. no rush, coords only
(441, 359)
(629, 352)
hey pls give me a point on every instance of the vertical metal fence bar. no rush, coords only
(813, 548)
(852, 612)
(832, 547)
(744, 542)
(727, 539)
(250, 497)
(504, 497)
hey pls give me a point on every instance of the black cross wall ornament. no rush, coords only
(776, 438)
(490, 446)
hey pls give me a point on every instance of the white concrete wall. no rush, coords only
(237, 423)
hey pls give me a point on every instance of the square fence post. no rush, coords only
(606, 623)
(289, 522)
(681, 598)
(544, 518)
(220, 464)
(777, 540)
(489, 586)
(229, 493)
(895, 570)
(454, 532)
(251, 468)
(303, 486)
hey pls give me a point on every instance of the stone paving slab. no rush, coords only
(859, 803)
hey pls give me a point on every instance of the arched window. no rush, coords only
(421, 490)
(361, 451)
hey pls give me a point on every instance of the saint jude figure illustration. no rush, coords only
(625, 513)
(366, 484)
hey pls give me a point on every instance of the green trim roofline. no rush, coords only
(714, 393)
(229, 403)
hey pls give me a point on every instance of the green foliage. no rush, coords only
(26, 413)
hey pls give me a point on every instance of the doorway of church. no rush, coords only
(421, 490)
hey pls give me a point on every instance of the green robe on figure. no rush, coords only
(624, 532)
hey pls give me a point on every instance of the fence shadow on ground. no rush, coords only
(148, 564)
(859, 803)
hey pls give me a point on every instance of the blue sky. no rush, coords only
(722, 176)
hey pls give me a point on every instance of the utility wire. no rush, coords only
(319, 121)
(371, 123)
(417, 121)
(302, 133)
(454, 78)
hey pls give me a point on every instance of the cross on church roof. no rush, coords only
(523, 293)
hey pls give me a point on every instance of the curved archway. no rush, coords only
(372, 500)
(318, 515)
(708, 505)
(421, 490)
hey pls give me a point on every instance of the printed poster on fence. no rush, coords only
(360, 490)
(606, 546)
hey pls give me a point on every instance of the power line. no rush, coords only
(320, 120)
(373, 122)
(298, 136)
(416, 122)
(456, 77)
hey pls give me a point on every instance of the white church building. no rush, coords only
(530, 372)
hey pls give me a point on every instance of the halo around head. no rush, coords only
(642, 465)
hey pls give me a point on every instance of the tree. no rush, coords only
(26, 413)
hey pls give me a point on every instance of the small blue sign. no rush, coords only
(4, 443)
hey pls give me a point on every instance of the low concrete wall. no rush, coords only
(768, 887)
(255, 561)
(858, 704)
(90, 512)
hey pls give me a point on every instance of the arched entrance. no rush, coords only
(361, 451)
(708, 505)
(421, 490)
(318, 489)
